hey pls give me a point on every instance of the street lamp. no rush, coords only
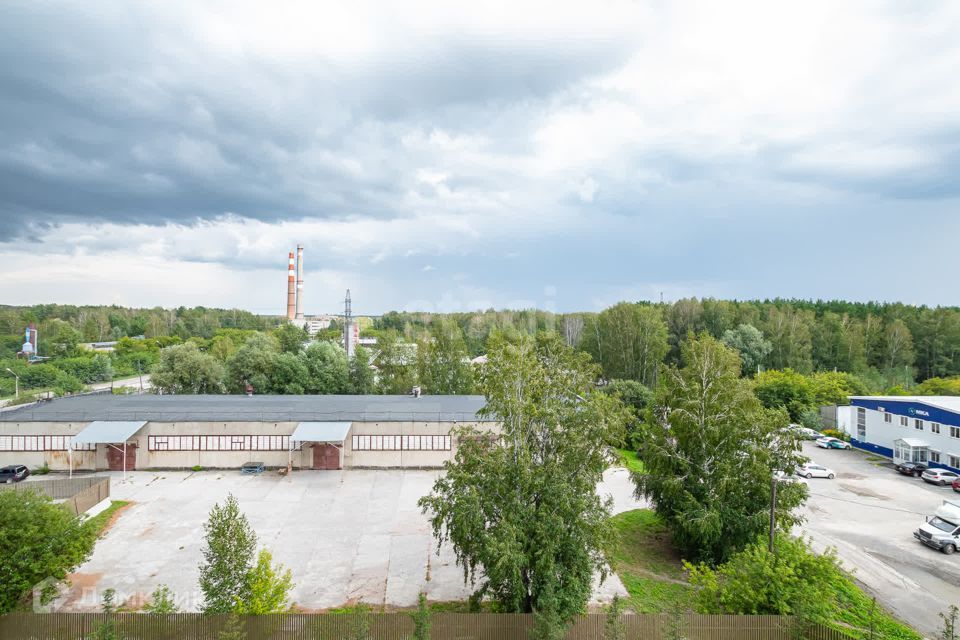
(16, 384)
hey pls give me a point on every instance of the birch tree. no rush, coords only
(709, 454)
(520, 509)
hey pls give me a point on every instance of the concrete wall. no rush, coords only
(302, 458)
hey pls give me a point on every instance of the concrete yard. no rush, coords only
(868, 513)
(346, 535)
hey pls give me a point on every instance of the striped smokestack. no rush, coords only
(291, 291)
(299, 313)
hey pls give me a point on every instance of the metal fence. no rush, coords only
(78, 494)
(399, 626)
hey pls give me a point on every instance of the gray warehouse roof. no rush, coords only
(263, 408)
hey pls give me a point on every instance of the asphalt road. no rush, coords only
(868, 513)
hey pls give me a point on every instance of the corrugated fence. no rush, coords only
(78, 494)
(399, 626)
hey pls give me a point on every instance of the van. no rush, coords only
(942, 530)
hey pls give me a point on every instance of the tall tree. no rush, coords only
(750, 344)
(443, 363)
(229, 543)
(183, 368)
(396, 364)
(327, 367)
(361, 375)
(684, 318)
(899, 345)
(628, 341)
(291, 337)
(788, 330)
(709, 453)
(521, 509)
(289, 375)
(253, 363)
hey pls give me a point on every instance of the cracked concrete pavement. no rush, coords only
(346, 535)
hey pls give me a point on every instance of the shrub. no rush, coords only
(833, 433)
(756, 582)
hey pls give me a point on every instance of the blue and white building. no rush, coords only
(906, 428)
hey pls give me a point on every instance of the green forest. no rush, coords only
(806, 351)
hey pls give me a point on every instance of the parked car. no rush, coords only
(14, 473)
(914, 469)
(814, 470)
(832, 443)
(789, 478)
(956, 485)
(807, 433)
(941, 477)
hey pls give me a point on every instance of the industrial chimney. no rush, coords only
(299, 312)
(291, 292)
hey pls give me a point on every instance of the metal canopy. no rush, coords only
(108, 432)
(912, 442)
(320, 432)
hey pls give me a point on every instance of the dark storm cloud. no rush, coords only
(110, 114)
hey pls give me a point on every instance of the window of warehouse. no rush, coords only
(887, 417)
(41, 443)
(934, 456)
(401, 443)
(218, 443)
(903, 421)
(934, 427)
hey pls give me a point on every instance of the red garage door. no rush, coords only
(326, 456)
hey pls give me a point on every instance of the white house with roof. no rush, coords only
(906, 428)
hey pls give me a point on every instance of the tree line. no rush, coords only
(889, 348)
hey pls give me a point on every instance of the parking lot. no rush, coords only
(347, 536)
(868, 513)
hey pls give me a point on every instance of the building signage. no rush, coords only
(918, 412)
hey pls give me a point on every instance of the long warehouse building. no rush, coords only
(213, 431)
(923, 429)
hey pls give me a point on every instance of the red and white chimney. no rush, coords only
(299, 311)
(291, 291)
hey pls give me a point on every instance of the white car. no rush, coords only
(789, 478)
(814, 470)
(829, 442)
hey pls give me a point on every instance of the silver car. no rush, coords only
(942, 477)
(814, 470)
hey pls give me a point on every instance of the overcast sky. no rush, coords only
(559, 155)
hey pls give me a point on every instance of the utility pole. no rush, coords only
(773, 509)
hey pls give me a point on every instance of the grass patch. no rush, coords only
(650, 567)
(102, 521)
(857, 609)
(647, 563)
(629, 460)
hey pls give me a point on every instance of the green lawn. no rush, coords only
(650, 568)
(629, 460)
(102, 520)
(647, 563)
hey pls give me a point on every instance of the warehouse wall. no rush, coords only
(56, 460)
(303, 458)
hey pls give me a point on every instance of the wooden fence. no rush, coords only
(399, 626)
(77, 494)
